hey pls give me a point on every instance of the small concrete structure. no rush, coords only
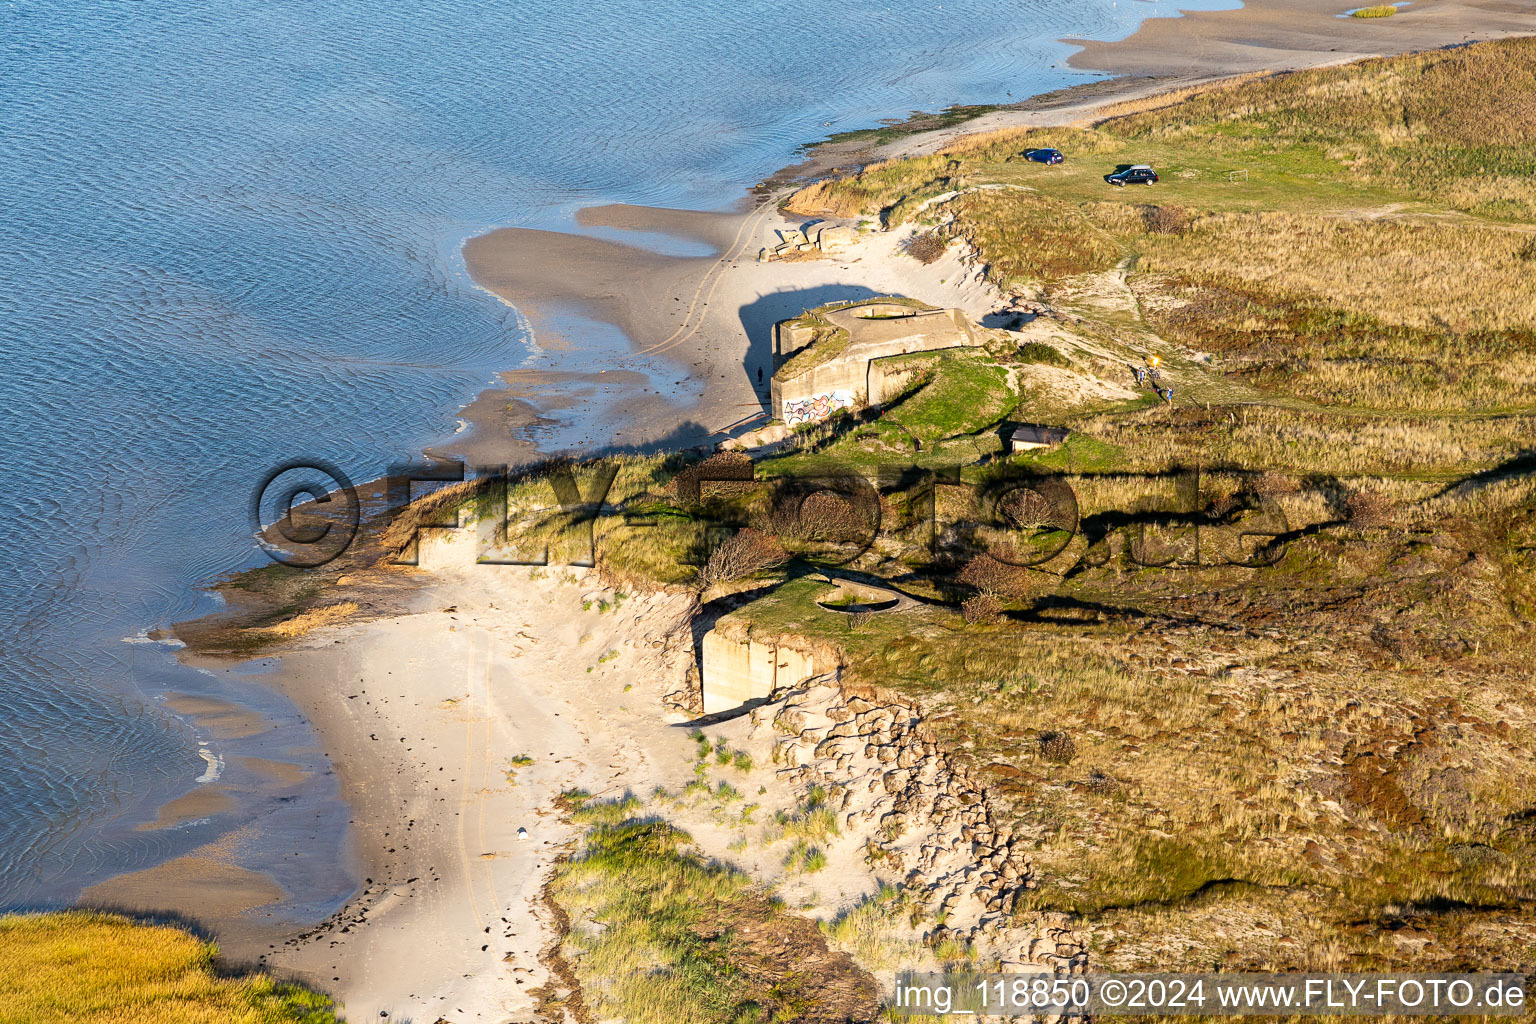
(817, 238)
(805, 390)
(737, 671)
(1024, 437)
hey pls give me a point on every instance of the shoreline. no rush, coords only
(449, 920)
(695, 315)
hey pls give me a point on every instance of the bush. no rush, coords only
(1057, 748)
(1165, 220)
(999, 579)
(1029, 510)
(927, 247)
(1369, 508)
(740, 555)
(1039, 352)
(1378, 11)
(825, 522)
(983, 609)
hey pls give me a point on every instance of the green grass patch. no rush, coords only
(1040, 353)
(965, 394)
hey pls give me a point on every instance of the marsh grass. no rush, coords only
(91, 968)
(311, 619)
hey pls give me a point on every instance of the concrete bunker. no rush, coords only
(823, 359)
(738, 669)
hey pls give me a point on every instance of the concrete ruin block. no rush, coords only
(835, 238)
(736, 671)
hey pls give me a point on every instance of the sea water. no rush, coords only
(231, 237)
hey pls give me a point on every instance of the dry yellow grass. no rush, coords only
(88, 968)
(1024, 239)
(1431, 274)
(310, 620)
(1173, 97)
(1302, 441)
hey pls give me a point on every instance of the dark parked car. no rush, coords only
(1045, 156)
(1141, 174)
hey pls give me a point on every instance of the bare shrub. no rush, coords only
(1224, 505)
(926, 247)
(1024, 509)
(1098, 782)
(1272, 485)
(858, 620)
(720, 466)
(1369, 508)
(981, 610)
(823, 516)
(999, 579)
(1057, 747)
(742, 554)
(1165, 220)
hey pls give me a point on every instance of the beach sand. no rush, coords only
(427, 713)
(422, 713)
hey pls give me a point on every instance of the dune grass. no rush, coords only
(1029, 239)
(90, 968)
(660, 936)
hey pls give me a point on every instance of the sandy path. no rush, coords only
(422, 714)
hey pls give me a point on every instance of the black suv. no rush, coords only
(1141, 174)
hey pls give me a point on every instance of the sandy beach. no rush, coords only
(424, 712)
(455, 725)
(423, 709)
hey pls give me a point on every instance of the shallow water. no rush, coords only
(231, 236)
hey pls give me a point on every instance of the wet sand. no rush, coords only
(1274, 35)
(692, 381)
(206, 887)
